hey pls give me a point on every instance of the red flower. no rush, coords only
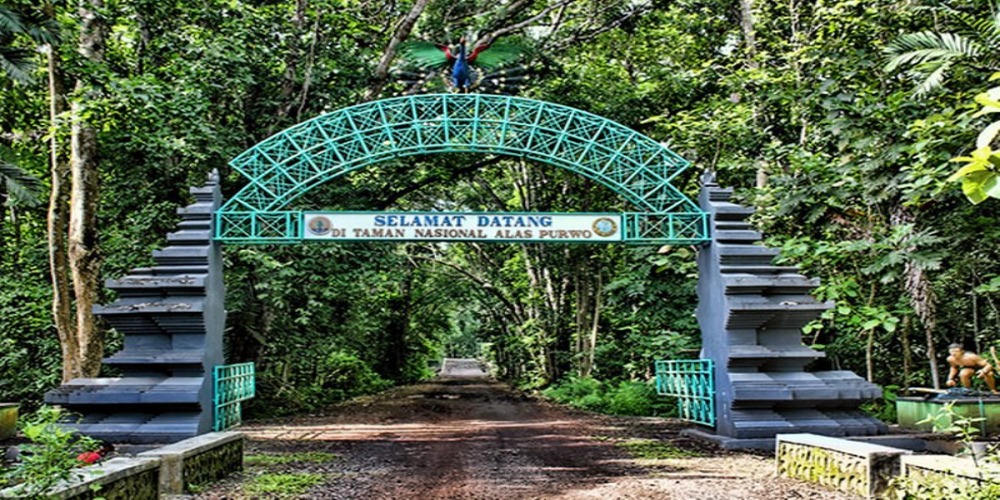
(89, 457)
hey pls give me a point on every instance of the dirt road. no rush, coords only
(463, 436)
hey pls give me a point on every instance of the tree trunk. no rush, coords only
(402, 32)
(904, 337)
(749, 36)
(922, 301)
(84, 259)
(592, 344)
(4, 199)
(58, 219)
(292, 57)
(921, 295)
(869, 355)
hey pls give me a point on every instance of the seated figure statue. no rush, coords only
(965, 364)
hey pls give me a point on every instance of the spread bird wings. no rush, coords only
(427, 54)
(491, 56)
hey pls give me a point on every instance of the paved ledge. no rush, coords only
(196, 445)
(197, 460)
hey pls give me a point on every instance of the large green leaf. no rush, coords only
(974, 186)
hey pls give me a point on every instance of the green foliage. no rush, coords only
(623, 398)
(648, 449)
(336, 377)
(967, 430)
(930, 55)
(884, 408)
(30, 363)
(980, 175)
(18, 184)
(282, 485)
(16, 27)
(51, 456)
(946, 419)
(920, 488)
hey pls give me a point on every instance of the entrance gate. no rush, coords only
(751, 312)
(290, 163)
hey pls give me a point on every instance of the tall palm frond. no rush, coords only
(973, 25)
(16, 62)
(10, 21)
(928, 56)
(20, 185)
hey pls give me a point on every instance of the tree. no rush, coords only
(73, 203)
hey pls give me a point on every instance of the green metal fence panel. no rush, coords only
(692, 382)
(233, 384)
(288, 164)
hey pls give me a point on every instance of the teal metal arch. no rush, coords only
(290, 163)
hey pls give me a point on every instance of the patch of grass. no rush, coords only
(307, 457)
(195, 489)
(649, 449)
(282, 485)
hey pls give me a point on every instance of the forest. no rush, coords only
(844, 122)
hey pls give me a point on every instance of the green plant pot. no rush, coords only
(8, 420)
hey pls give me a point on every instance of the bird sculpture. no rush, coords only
(466, 69)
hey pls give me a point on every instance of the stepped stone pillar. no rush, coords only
(751, 314)
(172, 316)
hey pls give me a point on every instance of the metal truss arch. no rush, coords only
(290, 163)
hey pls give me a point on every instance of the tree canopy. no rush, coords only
(838, 120)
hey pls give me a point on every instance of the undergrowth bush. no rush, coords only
(50, 458)
(335, 377)
(624, 398)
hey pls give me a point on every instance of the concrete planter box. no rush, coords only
(8, 420)
(153, 474)
(910, 410)
(853, 467)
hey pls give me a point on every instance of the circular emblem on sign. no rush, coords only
(320, 226)
(605, 226)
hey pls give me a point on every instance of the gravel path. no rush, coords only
(463, 436)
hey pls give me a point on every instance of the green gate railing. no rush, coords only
(233, 385)
(693, 384)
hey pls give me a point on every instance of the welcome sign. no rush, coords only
(462, 226)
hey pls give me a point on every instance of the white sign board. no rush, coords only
(468, 226)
